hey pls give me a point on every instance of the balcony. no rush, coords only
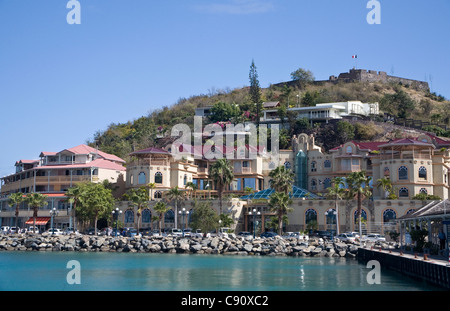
(148, 162)
(243, 170)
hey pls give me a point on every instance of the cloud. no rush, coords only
(237, 7)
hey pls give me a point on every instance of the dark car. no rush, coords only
(145, 231)
(244, 233)
(268, 234)
(323, 234)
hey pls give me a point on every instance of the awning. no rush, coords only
(40, 221)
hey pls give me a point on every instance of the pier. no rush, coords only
(433, 270)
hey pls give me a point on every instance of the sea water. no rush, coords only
(49, 271)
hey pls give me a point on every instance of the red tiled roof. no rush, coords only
(85, 149)
(370, 146)
(406, 142)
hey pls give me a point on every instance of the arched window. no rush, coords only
(403, 193)
(389, 215)
(327, 164)
(363, 216)
(313, 184)
(141, 178)
(169, 217)
(410, 211)
(313, 166)
(129, 216)
(131, 179)
(349, 149)
(185, 180)
(287, 165)
(331, 217)
(326, 183)
(146, 216)
(423, 172)
(423, 190)
(158, 195)
(386, 171)
(158, 178)
(310, 216)
(402, 173)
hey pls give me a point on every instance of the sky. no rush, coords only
(60, 83)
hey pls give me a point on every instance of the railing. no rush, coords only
(243, 170)
(64, 179)
(147, 162)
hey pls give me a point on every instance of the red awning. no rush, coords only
(40, 221)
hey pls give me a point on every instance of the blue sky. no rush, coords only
(61, 83)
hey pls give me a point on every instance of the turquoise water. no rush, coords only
(175, 272)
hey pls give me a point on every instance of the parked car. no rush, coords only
(374, 237)
(327, 235)
(70, 231)
(268, 234)
(5, 229)
(176, 232)
(131, 232)
(245, 233)
(187, 232)
(145, 231)
(197, 234)
(54, 231)
(346, 237)
(13, 230)
(33, 229)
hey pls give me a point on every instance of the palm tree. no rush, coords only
(74, 197)
(36, 200)
(175, 194)
(16, 199)
(151, 186)
(193, 188)
(161, 208)
(282, 179)
(385, 184)
(358, 186)
(222, 174)
(336, 192)
(138, 197)
(279, 203)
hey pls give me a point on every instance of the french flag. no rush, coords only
(354, 56)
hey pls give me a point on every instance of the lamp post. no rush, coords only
(117, 212)
(183, 213)
(254, 220)
(53, 214)
(331, 212)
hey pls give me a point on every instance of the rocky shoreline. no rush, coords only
(175, 245)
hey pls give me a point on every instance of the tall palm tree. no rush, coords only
(16, 199)
(74, 195)
(176, 195)
(336, 192)
(279, 203)
(221, 172)
(139, 198)
(282, 179)
(358, 186)
(385, 184)
(151, 186)
(193, 188)
(161, 208)
(36, 200)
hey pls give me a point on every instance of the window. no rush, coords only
(410, 211)
(423, 172)
(157, 195)
(185, 180)
(131, 179)
(313, 184)
(146, 216)
(326, 183)
(287, 165)
(349, 149)
(423, 190)
(141, 178)
(129, 216)
(403, 193)
(363, 216)
(327, 164)
(169, 217)
(158, 178)
(331, 217)
(389, 215)
(313, 166)
(386, 171)
(403, 173)
(310, 216)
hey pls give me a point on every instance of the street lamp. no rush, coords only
(53, 213)
(254, 220)
(117, 212)
(183, 213)
(332, 212)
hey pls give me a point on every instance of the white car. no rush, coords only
(5, 229)
(375, 237)
(346, 237)
(53, 231)
(13, 230)
(176, 232)
(33, 229)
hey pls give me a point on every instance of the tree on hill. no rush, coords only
(225, 112)
(303, 76)
(399, 104)
(255, 90)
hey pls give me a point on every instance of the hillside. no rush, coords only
(400, 101)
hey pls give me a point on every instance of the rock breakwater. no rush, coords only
(185, 245)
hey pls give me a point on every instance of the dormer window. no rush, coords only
(349, 149)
